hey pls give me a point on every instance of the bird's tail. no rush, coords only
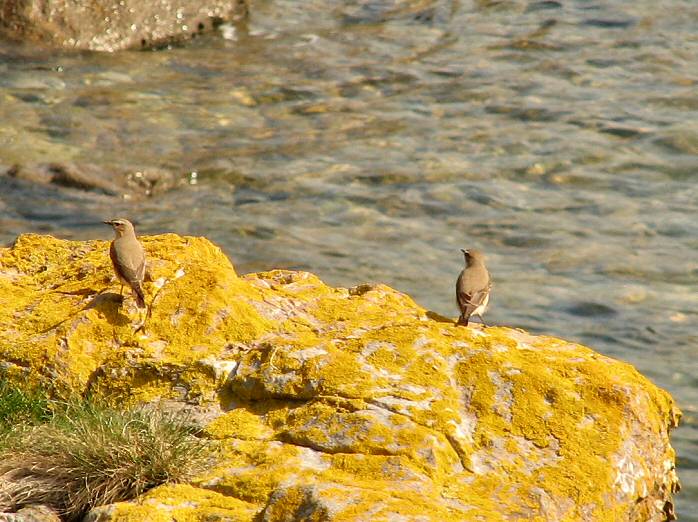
(463, 320)
(140, 296)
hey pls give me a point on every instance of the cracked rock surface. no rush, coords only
(338, 404)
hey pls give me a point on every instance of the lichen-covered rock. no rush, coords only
(336, 404)
(179, 502)
(106, 25)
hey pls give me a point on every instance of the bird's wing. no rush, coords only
(461, 298)
(473, 300)
(131, 270)
(469, 301)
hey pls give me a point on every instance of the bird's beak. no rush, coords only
(108, 223)
(464, 250)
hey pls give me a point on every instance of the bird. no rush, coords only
(128, 257)
(473, 286)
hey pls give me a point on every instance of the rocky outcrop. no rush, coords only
(338, 404)
(101, 25)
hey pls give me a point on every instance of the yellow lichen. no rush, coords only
(348, 401)
(240, 423)
(184, 503)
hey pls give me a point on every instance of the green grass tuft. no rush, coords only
(20, 408)
(88, 454)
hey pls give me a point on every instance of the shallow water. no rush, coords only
(370, 141)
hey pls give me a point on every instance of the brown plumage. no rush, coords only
(473, 286)
(128, 258)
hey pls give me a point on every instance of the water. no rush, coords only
(370, 141)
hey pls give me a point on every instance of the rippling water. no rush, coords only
(370, 141)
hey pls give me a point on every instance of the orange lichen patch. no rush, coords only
(252, 470)
(370, 431)
(347, 502)
(240, 423)
(182, 503)
(348, 467)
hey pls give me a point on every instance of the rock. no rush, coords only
(336, 404)
(66, 175)
(36, 513)
(105, 25)
(180, 502)
(92, 178)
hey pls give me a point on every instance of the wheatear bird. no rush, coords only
(473, 286)
(128, 257)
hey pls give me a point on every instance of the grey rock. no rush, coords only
(36, 513)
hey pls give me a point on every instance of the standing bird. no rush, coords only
(128, 257)
(473, 286)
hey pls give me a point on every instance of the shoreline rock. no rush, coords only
(100, 25)
(338, 403)
(131, 184)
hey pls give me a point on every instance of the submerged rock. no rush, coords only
(336, 404)
(105, 25)
(87, 177)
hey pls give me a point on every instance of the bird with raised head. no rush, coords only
(473, 286)
(128, 258)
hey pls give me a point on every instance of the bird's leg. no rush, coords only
(121, 295)
(140, 325)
